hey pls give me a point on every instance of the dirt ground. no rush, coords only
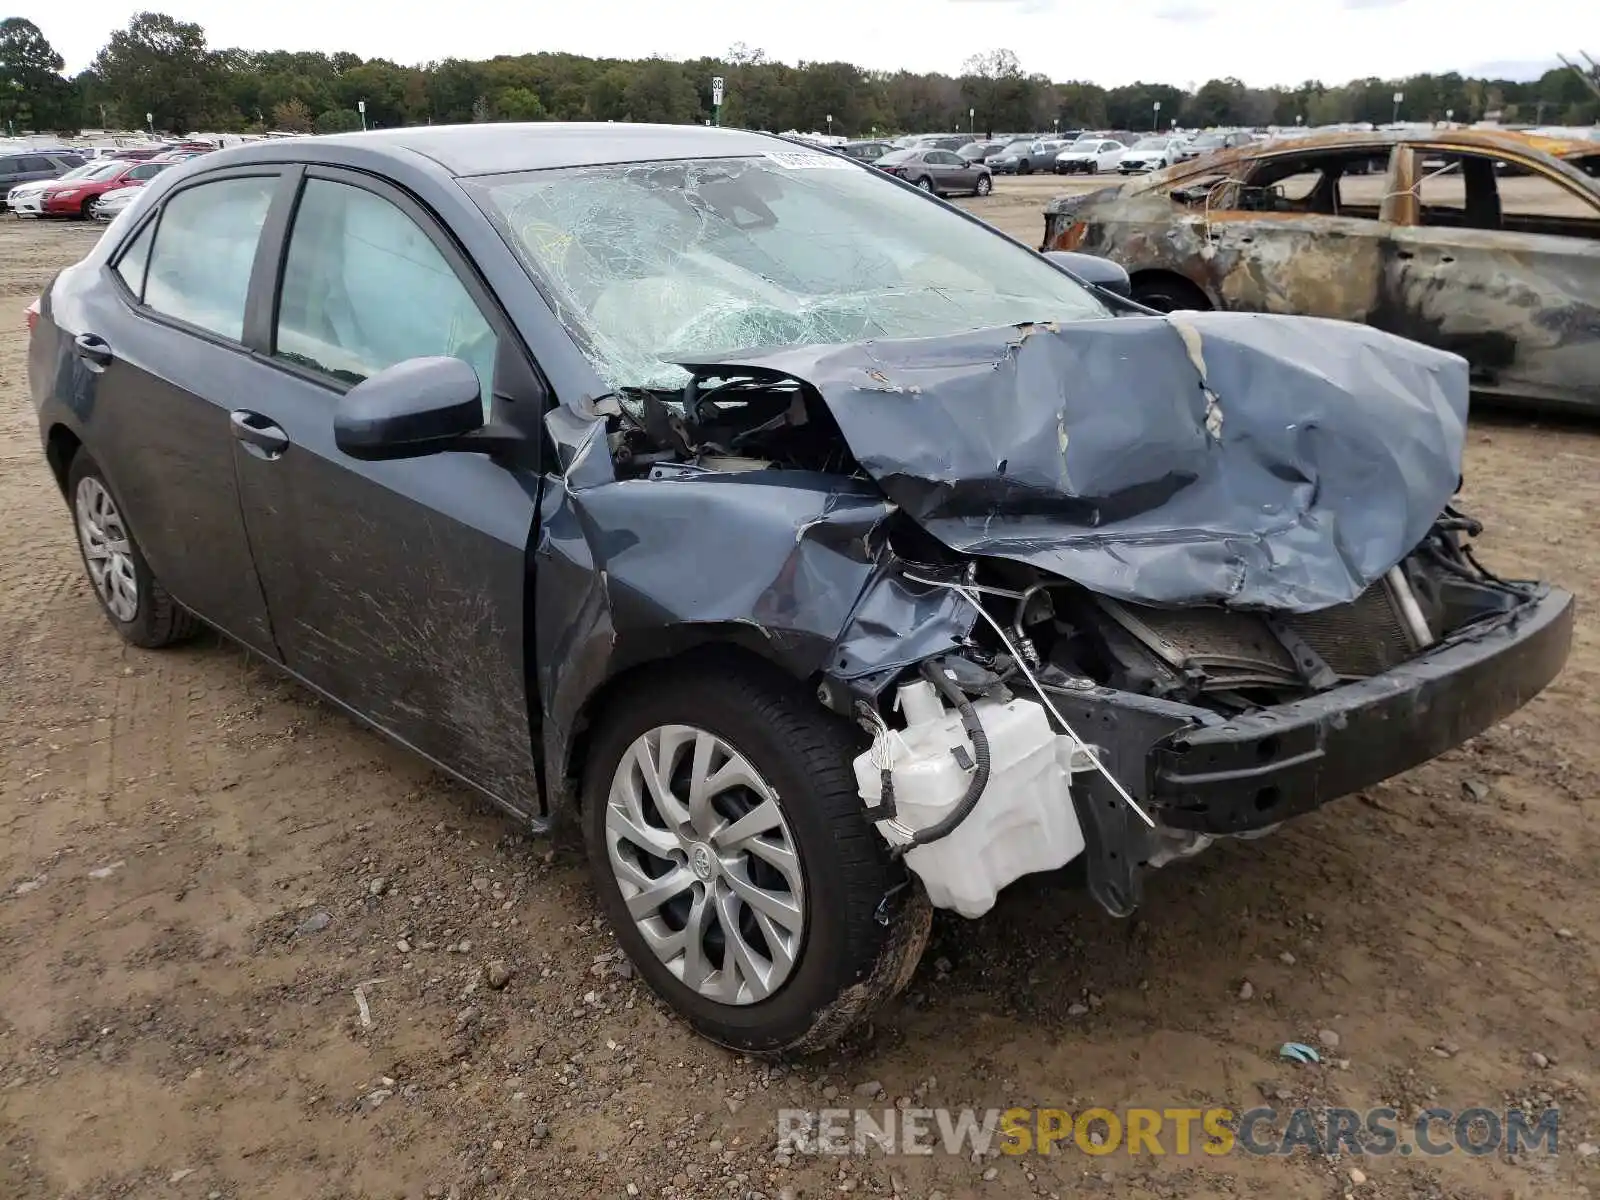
(175, 827)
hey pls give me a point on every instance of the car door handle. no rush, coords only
(93, 349)
(257, 432)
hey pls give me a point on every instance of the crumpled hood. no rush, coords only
(1254, 461)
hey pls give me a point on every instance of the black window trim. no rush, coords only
(152, 220)
(266, 285)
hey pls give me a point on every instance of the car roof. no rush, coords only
(1552, 151)
(493, 148)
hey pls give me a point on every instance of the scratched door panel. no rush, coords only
(399, 587)
(1297, 263)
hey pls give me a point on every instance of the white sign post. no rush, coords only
(716, 99)
(361, 107)
(1156, 122)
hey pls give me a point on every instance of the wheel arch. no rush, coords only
(1167, 275)
(687, 647)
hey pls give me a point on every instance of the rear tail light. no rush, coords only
(33, 315)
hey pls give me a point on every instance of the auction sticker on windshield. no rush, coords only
(802, 161)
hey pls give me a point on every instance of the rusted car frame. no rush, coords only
(1512, 287)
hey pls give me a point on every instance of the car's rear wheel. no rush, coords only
(130, 595)
(1167, 293)
(984, 186)
(733, 858)
(925, 184)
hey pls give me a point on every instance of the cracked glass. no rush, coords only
(650, 263)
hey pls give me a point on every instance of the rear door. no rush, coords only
(157, 365)
(1499, 261)
(398, 588)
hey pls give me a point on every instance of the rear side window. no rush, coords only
(205, 245)
(8, 166)
(71, 160)
(36, 164)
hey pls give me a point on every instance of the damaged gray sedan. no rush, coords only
(828, 556)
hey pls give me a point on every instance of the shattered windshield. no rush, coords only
(651, 263)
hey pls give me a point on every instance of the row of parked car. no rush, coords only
(89, 183)
(958, 163)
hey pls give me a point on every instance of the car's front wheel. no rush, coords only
(984, 186)
(735, 862)
(130, 595)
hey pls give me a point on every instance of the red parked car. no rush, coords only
(76, 197)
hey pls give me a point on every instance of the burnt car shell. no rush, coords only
(1517, 295)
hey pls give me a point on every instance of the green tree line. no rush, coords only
(163, 67)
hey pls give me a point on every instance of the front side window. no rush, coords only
(648, 264)
(365, 288)
(205, 246)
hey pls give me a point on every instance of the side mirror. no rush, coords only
(1090, 269)
(417, 407)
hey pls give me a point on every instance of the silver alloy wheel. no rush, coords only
(706, 864)
(106, 548)
(925, 184)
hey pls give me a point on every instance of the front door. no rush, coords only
(399, 588)
(1299, 234)
(159, 364)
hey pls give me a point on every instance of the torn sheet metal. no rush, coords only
(1280, 463)
(794, 566)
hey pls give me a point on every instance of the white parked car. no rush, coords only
(1151, 154)
(1090, 157)
(110, 205)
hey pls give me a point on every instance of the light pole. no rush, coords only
(830, 124)
(1449, 116)
(972, 118)
(361, 107)
(1155, 122)
(150, 123)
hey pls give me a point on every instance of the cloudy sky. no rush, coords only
(1173, 41)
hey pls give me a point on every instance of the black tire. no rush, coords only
(87, 211)
(984, 186)
(926, 185)
(1024, 167)
(1167, 293)
(848, 962)
(158, 620)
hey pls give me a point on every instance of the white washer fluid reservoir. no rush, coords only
(1024, 821)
